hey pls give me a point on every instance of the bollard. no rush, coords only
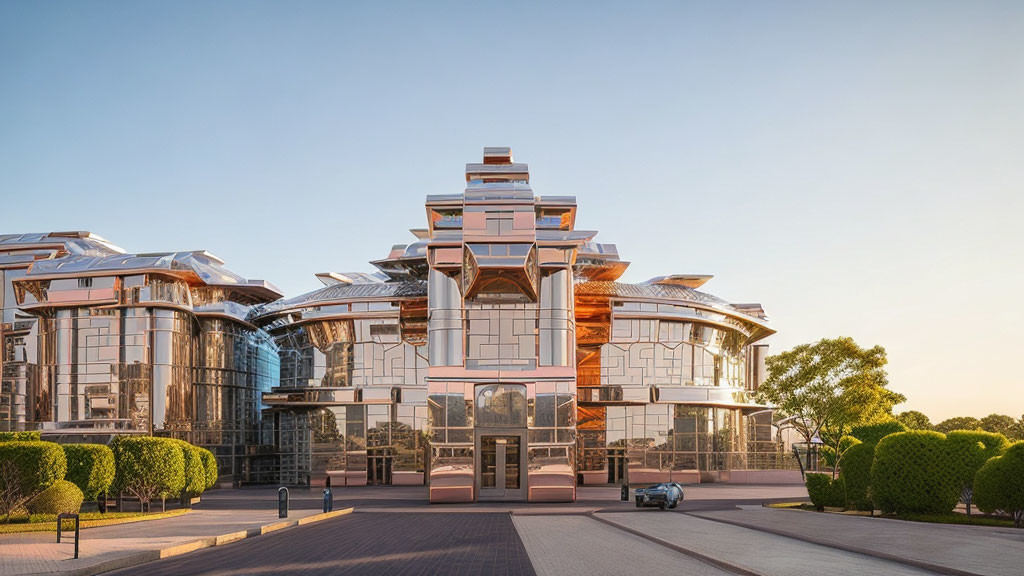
(328, 500)
(624, 496)
(282, 502)
(60, 528)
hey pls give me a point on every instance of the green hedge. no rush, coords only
(37, 464)
(90, 467)
(968, 450)
(210, 468)
(31, 436)
(824, 491)
(855, 470)
(26, 469)
(911, 474)
(194, 470)
(999, 484)
(60, 498)
(148, 467)
(828, 453)
(873, 433)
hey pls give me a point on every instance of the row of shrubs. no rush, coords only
(49, 478)
(886, 467)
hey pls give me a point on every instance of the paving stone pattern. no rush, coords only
(363, 543)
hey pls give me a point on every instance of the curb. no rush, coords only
(937, 568)
(208, 542)
(733, 568)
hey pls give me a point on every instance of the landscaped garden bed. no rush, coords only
(921, 476)
(950, 518)
(48, 522)
(40, 480)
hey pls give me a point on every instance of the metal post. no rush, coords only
(282, 502)
(78, 527)
(328, 500)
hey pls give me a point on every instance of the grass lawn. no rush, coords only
(948, 518)
(48, 522)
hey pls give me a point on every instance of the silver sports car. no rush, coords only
(664, 495)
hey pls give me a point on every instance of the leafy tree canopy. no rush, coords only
(914, 420)
(958, 423)
(833, 383)
(999, 424)
(829, 387)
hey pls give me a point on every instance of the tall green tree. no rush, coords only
(832, 385)
(914, 420)
(958, 423)
(999, 424)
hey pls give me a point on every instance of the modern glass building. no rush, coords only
(497, 357)
(97, 342)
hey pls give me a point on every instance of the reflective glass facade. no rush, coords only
(496, 357)
(103, 343)
(512, 363)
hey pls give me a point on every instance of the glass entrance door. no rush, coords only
(616, 465)
(500, 467)
(379, 468)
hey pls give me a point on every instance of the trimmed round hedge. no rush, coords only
(90, 467)
(911, 474)
(210, 467)
(62, 497)
(37, 464)
(148, 467)
(824, 491)
(968, 451)
(194, 470)
(30, 436)
(873, 433)
(855, 470)
(999, 484)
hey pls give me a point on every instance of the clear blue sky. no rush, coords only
(856, 168)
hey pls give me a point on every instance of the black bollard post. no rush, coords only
(328, 500)
(282, 502)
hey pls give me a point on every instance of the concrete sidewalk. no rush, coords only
(944, 548)
(119, 546)
(580, 546)
(751, 551)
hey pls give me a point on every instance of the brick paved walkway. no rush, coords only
(366, 543)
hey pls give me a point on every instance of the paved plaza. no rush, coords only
(719, 529)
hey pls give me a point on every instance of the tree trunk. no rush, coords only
(966, 495)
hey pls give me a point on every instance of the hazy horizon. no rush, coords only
(854, 168)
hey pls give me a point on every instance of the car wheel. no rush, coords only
(662, 505)
(673, 505)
